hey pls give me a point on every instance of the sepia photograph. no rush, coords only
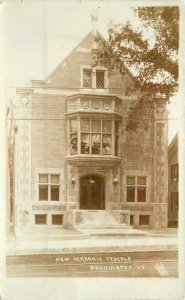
(93, 105)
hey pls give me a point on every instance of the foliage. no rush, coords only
(154, 62)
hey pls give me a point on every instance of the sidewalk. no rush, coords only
(85, 243)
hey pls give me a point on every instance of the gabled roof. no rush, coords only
(174, 143)
(99, 35)
(74, 49)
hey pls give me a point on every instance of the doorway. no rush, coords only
(92, 192)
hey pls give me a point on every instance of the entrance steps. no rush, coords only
(104, 219)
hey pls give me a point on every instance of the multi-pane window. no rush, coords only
(116, 137)
(136, 189)
(73, 136)
(57, 219)
(99, 81)
(96, 137)
(87, 78)
(49, 187)
(40, 219)
(174, 172)
(174, 201)
(99, 137)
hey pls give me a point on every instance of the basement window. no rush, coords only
(40, 219)
(57, 219)
(144, 220)
(131, 220)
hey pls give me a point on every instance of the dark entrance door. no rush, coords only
(92, 192)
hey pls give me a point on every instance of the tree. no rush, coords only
(153, 61)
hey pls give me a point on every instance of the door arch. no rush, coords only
(92, 192)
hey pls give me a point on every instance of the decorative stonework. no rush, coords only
(24, 160)
(144, 207)
(49, 207)
(24, 96)
(101, 104)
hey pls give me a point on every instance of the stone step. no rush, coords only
(100, 219)
(103, 226)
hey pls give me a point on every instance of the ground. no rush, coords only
(124, 253)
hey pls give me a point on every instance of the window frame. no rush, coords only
(100, 72)
(174, 169)
(93, 71)
(149, 220)
(90, 70)
(49, 185)
(135, 186)
(100, 134)
(38, 215)
(57, 214)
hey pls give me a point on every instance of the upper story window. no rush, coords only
(93, 78)
(100, 79)
(95, 136)
(49, 187)
(87, 78)
(174, 172)
(136, 189)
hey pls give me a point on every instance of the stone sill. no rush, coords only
(94, 159)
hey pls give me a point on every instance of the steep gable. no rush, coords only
(68, 74)
(69, 67)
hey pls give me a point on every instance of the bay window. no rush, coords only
(95, 136)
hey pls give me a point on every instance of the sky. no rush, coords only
(38, 34)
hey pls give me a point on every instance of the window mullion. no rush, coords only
(49, 187)
(135, 189)
(101, 137)
(93, 76)
(113, 137)
(79, 137)
(135, 193)
(90, 137)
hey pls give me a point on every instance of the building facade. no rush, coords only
(75, 163)
(173, 178)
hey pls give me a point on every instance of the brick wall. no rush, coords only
(48, 139)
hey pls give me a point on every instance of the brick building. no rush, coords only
(75, 164)
(173, 178)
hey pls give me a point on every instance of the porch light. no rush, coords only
(115, 181)
(73, 180)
